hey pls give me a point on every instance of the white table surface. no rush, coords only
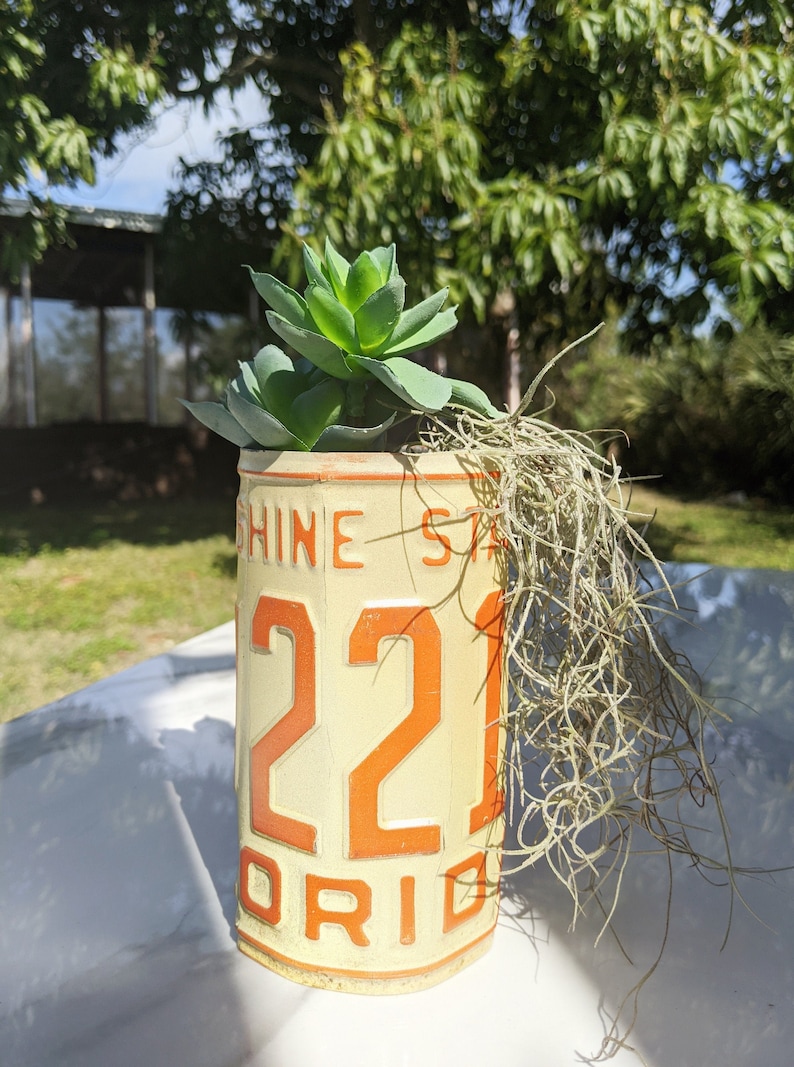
(118, 856)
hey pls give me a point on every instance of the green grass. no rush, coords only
(740, 535)
(88, 591)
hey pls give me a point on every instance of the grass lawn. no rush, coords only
(744, 535)
(90, 590)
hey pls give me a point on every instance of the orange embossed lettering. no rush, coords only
(270, 913)
(407, 910)
(433, 535)
(292, 617)
(494, 540)
(490, 620)
(342, 539)
(257, 533)
(304, 535)
(475, 524)
(367, 836)
(352, 921)
(473, 886)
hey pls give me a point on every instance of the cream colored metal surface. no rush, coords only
(118, 851)
(369, 685)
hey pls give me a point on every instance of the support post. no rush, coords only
(102, 365)
(149, 335)
(7, 388)
(27, 346)
(188, 344)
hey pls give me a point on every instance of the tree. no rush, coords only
(292, 51)
(636, 152)
(76, 77)
(551, 154)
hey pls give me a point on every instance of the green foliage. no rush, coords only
(708, 416)
(290, 50)
(75, 78)
(637, 152)
(352, 332)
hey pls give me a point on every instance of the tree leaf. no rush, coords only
(414, 385)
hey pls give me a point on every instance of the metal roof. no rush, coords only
(103, 264)
(105, 218)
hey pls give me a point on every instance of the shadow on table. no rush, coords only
(117, 863)
(707, 1004)
(201, 767)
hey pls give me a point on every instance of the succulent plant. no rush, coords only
(352, 380)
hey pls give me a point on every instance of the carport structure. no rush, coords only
(114, 259)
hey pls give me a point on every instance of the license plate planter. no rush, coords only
(368, 746)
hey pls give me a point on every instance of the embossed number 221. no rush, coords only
(367, 837)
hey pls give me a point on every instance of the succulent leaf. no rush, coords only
(316, 409)
(363, 280)
(351, 331)
(386, 260)
(351, 438)
(378, 315)
(438, 327)
(315, 271)
(266, 362)
(310, 372)
(279, 382)
(263, 427)
(337, 268)
(283, 300)
(414, 385)
(468, 395)
(248, 383)
(416, 318)
(316, 348)
(219, 419)
(332, 318)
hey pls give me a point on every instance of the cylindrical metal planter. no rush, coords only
(368, 756)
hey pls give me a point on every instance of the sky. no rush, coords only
(138, 177)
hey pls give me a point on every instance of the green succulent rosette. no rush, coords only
(352, 332)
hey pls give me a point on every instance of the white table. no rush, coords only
(118, 858)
